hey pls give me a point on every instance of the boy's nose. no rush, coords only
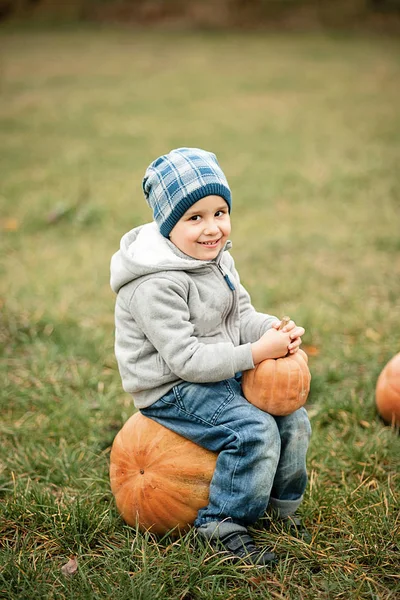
(211, 227)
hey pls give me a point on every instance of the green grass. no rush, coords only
(307, 129)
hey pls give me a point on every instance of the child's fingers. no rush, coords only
(297, 332)
(294, 345)
(290, 326)
(293, 351)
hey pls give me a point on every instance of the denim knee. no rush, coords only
(296, 425)
(301, 424)
(265, 432)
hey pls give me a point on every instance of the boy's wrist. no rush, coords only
(256, 351)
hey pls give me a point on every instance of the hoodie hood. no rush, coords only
(144, 251)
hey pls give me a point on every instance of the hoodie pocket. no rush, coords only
(162, 366)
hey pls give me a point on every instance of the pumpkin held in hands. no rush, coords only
(278, 386)
(388, 392)
(159, 479)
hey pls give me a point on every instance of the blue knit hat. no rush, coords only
(175, 181)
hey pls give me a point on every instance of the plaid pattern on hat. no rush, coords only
(175, 181)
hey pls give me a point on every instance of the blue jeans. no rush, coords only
(261, 460)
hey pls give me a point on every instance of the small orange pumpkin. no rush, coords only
(387, 394)
(278, 386)
(159, 479)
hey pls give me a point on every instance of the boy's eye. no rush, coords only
(194, 217)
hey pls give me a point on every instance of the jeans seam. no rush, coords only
(213, 419)
(229, 398)
(240, 441)
(178, 398)
(182, 408)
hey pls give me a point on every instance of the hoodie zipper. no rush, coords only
(226, 277)
(231, 286)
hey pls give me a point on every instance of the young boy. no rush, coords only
(185, 330)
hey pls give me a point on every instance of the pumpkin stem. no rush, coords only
(285, 321)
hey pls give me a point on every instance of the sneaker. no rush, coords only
(295, 527)
(241, 547)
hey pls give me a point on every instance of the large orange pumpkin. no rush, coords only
(278, 386)
(388, 391)
(159, 479)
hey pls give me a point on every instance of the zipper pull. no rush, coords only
(229, 282)
(225, 276)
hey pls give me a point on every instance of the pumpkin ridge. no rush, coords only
(289, 377)
(302, 392)
(153, 511)
(272, 392)
(167, 460)
(268, 367)
(124, 486)
(179, 498)
(154, 447)
(162, 458)
(128, 509)
(164, 519)
(158, 514)
(146, 509)
(163, 480)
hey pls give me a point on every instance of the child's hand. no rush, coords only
(276, 342)
(295, 334)
(273, 344)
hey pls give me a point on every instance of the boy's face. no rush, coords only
(204, 228)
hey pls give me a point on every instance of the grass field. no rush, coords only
(307, 129)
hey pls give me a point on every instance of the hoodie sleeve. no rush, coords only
(252, 323)
(159, 306)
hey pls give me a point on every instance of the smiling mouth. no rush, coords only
(210, 244)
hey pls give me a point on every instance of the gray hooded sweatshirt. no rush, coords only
(178, 318)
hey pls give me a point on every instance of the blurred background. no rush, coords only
(377, 14)
(300, 100)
